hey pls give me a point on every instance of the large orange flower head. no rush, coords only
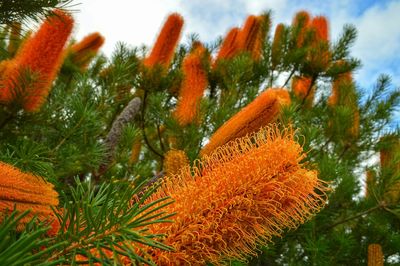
(260, 112)
(164, 47)
(84, 51)
(237, 199)
(194, 83)
(42, 54)
(26, 192)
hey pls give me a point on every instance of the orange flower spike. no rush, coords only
(320, 25)
(343, 80)
(263, 110)
(193, 86)
(229, 46)
(276, 49)
(321, 55)
(236, 199)
(250, 36)
(375, 255)
(301, 86)
(301, 21)
(85, 50)
(25, 192)
(42, 54)
(174, 161)
(135, 152)
(164, 47)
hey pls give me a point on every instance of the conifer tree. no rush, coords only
(195, 154)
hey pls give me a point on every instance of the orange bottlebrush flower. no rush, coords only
(41, 54)
(277, 43)
(388, 152)
(375, 255)
(193, 86)
(370, 182)
(390, 164)
(249, 37)
(135, 152)
(84, 51)
(237, 199)
(26, 192)
(301, 87)
(174, 161)
(229, 47)
(320, 25)
(301, 22)
(342, 89)
(263, 110)
(319, 53)
(164, 47)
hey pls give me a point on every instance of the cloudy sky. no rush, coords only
(137, 22)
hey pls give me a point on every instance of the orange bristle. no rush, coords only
(164, 47)
(260, 112)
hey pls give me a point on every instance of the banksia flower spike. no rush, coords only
(41, 54)
(375, 255)
(277, 45)
(320, 55)
(263, 110)
(301, 87)
(320, 25)
(174, 161)
(135, 152)
(300, 23)
(236, 199)
(390, 165)
(164, 47)
(84, 51)
(194, 83)
(250, 35)
(343, 94)
(229, 47)
(370, 182)
(26, 192)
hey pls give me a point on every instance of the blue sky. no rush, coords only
(137, 22)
